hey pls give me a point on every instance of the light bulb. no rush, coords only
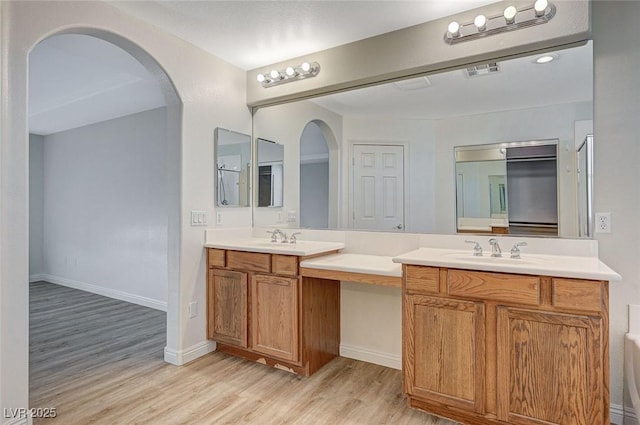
(454, 29)
(510, 14)
(275, 74)
(260, 78)
(480, 22)
(305, 66)
(290, 71)
(540, 6)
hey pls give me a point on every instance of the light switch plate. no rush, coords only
(198, 218)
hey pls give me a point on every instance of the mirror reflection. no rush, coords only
(233, 166)
(508, 188)
(391, 147)
(270, 173)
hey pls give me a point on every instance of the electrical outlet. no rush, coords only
(218, 217)
(193, 309)
(603, 222)
(291, 216)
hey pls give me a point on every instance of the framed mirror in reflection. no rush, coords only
(270, 173)
(509, 188)
(425, 118)
(233, 168)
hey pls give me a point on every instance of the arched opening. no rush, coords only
(104, 190)
(318, 176)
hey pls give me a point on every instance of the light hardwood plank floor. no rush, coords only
(100, 361)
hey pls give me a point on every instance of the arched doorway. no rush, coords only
(132, 170)
(318, 176)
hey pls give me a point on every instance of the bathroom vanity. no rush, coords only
(485, 347)
(485, 340)
(258, 308)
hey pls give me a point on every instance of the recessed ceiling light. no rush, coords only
(546, 58)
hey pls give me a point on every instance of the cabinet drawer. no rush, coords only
(284, 264)
(422, 279)
(577, 294)
(495, 286)
(249, 261)
(216, 257)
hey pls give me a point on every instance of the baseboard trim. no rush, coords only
(371, 356)
(20, 421)
(95, 289)
(182, 357)
(623, 415)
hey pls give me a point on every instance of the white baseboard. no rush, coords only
(100, 290)
(182, 357)
(623, 415)
(19, 421)
(370, 356)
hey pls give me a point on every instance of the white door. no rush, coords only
(378, 187)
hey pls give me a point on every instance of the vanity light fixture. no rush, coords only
(289, 74)
(540, 12)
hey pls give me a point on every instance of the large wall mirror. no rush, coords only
(232, 152)
(393, 152)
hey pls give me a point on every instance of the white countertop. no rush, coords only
(355, 263)
(534, 264)
(301, 248)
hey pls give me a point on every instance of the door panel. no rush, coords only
(378, 191)
(227, 315)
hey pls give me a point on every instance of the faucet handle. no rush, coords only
(515, 251)
(274, 234)
(292, 238)
(477, 249)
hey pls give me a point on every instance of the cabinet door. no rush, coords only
(274, 316)
(227, 307)
(444, 351)
(549, 368)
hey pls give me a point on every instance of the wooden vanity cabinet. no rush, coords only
(260, 308)
(227, 307)
(497, 348)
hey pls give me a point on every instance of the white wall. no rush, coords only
(106, 211)
(36, 204)
(203, 92)
(314, 195)
(616, 158)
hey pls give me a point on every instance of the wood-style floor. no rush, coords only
(100, 361)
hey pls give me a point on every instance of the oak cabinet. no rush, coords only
(274, 309)
(497, 348)
(260, 308)
(455, 375)
(227, 302)
(550, 368)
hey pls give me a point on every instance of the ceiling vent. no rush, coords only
(413, 84)
(484, 69)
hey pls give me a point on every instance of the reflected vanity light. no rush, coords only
(289, 74)
(539, 12)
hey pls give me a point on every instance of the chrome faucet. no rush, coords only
(495, 248)
(277, 234)
(477, 249)
(515, 251)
